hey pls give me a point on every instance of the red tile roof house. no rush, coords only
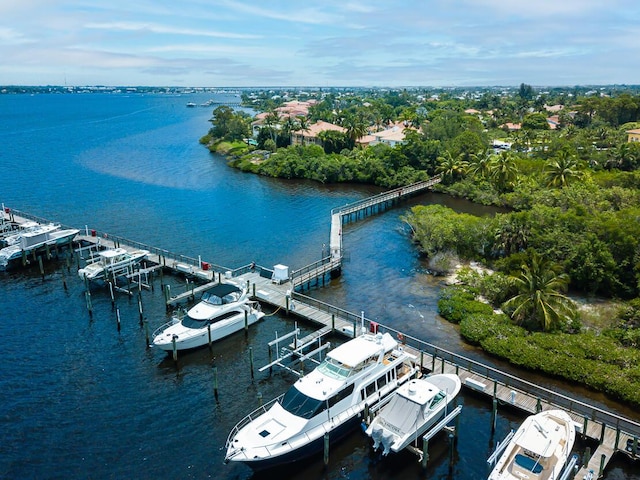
(293, 109)
(310, 136)
(553, 121)
(511, 126)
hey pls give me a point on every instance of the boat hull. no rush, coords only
(315, 447)
(200, 338)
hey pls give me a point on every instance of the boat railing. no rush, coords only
(164, 326)
(250, 418)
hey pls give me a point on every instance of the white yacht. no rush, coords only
(113, 261)
(414, 408)
(223, 310)
(29, 240)
(539, 449)
(30, 227)
(329, 400)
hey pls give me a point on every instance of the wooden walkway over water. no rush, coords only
(612, 433)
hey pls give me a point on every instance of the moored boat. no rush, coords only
(330, 400)
(414, 408)
(25, 243)
(222, 311)
(539, 449)
(113, 261)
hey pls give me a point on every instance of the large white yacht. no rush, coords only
(223, 310)
(329, 400)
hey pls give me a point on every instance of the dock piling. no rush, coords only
(215, 383)
(175, 348)
(326, 449)
(146, 332)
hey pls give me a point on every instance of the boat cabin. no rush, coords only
(112, 256)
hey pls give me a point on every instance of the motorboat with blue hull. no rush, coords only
(414, 408)
(330, 400)
(222, 311)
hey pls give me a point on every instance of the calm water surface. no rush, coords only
(82, 400)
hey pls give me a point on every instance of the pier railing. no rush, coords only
(496, 376)
(386, 196)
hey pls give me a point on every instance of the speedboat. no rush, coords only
(28, 228)
(28, 241)
(222, 310)
(414, 408)
(113, 261)
(327, 401)
(539, 449)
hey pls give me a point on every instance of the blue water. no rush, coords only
(81, 399)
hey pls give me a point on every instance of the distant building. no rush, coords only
(553, 108)
(633, 135)
(310, 135)
(553, 121)
(511, 126)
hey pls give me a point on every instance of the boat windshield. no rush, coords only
(189, 322)
(335, 369)
(437, 399)
(213, 299)
(300, 405)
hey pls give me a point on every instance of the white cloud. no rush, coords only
(322, 42)
(165, 29)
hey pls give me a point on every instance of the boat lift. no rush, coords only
(423, 455)
(296, 352)
(500, 446)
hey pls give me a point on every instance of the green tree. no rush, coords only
(562, 169)
(540, 301)
(535, 121)
(503, 171)
(451, 167)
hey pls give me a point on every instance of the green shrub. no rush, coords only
(478, 326)
(456, 303)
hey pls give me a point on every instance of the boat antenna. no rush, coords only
(362, 329)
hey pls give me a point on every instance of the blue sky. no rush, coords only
(215, 43)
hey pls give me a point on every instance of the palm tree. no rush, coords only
(540, 300)
(503, 171)
(478, 164)
(272, 123)
(356, 128)
(451, 167)
(623, 157)
(562, 170)
(511, 237)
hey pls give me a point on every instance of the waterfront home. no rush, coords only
(309, 136)
(633, 135)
